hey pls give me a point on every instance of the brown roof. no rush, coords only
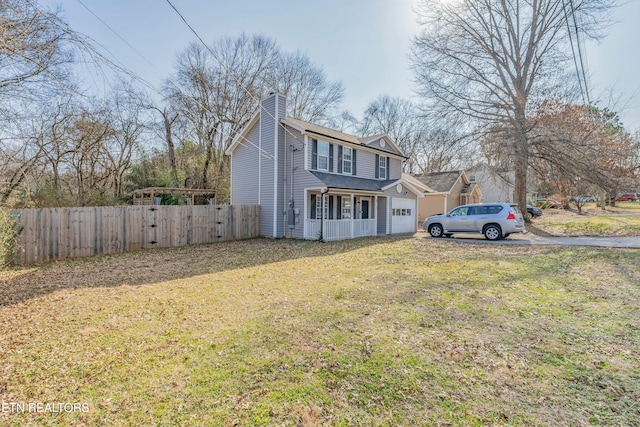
(440, 182)
(417, 183)
(332, 133)
(321, 130)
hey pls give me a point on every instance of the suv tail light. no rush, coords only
(511, 215)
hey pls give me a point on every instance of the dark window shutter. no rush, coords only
(377, 166)
(387, 169)
(339, 159)
(314, 154)
(353, 162)
(353, 208)
(313, 206)
(330, 207)
(339, 203)
(330, 157)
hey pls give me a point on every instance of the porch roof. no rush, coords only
(351, 182)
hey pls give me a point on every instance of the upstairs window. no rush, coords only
(323, 156)
(347, 159)
(382, 167)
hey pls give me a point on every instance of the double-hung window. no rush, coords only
(318, 208)
(323, 155)
(346, 208)
(347, 160)
(382, 167)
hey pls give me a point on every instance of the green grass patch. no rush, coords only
(377, 331)
(590, 225)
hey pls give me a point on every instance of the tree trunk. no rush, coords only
(209, 153)
(170, 147)
(521, 160)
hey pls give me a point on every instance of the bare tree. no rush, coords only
(490, 60)
(32, 49)
(397, 118)
(215, 93)
(216, 90)
(33, 60)
(431, 145)
(128, 122)
(310, 96)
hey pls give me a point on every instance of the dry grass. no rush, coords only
(367, 332)
(620, 220)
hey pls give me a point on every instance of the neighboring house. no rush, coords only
(445, 191)
(313, 182)
(496, 186)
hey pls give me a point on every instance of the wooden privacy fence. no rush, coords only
(59, 233)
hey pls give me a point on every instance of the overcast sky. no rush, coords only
(362, 43)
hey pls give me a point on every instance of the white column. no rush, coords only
(353, 211)
(304, 214)
(375, 224)
(323, 217)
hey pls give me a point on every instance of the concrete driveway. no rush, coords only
(532, 239)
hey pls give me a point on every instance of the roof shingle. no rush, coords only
(332, 180)
(440, 182)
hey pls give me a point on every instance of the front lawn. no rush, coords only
(379, 331)
(623, 220)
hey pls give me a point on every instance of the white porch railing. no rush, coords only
(339, 229)
(364, 227)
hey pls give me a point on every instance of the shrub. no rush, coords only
(8, 237)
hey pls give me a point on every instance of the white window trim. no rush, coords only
(318, 207)
(328, 156)
(382, 167)
(347, 162)
(346, 207)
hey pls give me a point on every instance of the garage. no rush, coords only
(403, 216)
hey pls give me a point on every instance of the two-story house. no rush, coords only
(313, 182)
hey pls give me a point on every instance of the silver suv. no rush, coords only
(494, 220)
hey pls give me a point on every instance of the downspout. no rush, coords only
(284, 211)
(260, 155)
(291, 211)
(275, 168)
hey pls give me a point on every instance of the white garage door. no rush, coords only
(403, 216)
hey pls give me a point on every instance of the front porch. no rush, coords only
(339, 229)
(339, 215)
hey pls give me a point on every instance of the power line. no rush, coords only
(227, 69)
(582, 55)
(580, 69)
(152, 87)
(117, 35)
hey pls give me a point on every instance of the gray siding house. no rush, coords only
(496, 186)
(313, 182)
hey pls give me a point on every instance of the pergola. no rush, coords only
(145, 196)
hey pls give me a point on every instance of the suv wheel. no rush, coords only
(435, 230)
(492, 232)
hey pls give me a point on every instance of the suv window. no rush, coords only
(461, 211)
(492, 210)
(480, 210)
